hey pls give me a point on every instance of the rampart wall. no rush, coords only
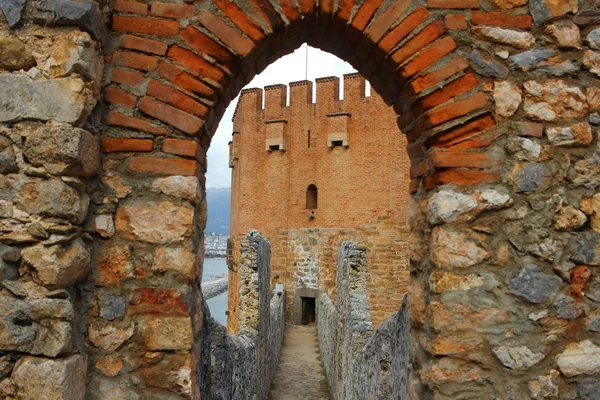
(361, 361)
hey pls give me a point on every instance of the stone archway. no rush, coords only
(492, 219)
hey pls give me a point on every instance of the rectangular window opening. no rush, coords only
(335, 143)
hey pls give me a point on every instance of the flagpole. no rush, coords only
(306, 66)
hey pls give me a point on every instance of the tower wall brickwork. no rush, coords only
(339, 146)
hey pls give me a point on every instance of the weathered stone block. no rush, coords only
(14, 55)
(532, 285)
(453, 249)
(507, 97)
(518, 357)
(59, 265)
(167, 333)
(554, 99)
(8, 161)
(528, 177)
(36, 326)
(64, 100)
(175, 260)
(82, 13)
(52, 198)
(579, 134)
(579, 358)
(155, 222)
(487, 65)
(64, 150)
(588, 389)
(73, 53)
(42, 378)
(544, 10)
(185, 187)
(520, 40)
(13, 11)
(546, 386)
(109, 337)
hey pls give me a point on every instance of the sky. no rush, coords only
(287, 69)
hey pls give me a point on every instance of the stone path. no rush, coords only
(300, 374)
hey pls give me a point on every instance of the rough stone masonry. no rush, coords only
(107, 109)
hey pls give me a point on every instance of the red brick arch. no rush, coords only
(192, 62)
(174, 68)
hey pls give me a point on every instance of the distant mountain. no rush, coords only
(219, 201)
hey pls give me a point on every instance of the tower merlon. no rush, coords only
(328, 89)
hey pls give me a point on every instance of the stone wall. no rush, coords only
(50, 78)
(361, 362)
(499, 104)
(243, 365)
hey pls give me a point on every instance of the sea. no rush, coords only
(218, 304)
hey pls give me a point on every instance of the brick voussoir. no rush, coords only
(239, 44)
(445, 93)
(149, 26)
(430, 33)
(170, 115)
(402, 30)
(243, 21)
(460, 177)
(428, 56)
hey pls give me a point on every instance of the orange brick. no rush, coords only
(197, 64)
(171, 10)
(236, 42)
(418, 170)
(176, 98)
(501, 19)
(446, 71)
(455, 21)
(342, 14)
(269, 14)
(170, 115)
(450, 111)
(241, 20)
(442, 95)
(402, 30)
(199, 41)
(462, 132)
(308, 9)
(460, 160)
(110, 145)
(290, 10)
(423, 38)
(430, 55)
(125, 121)
(120, 96)
(185, 148)
(325, 12)
(135, 60)
(460, 177)
(361, 20)
(383, 22)
(131, 7)
(126, 77)
(163, 166)
(142, 44)
(453, 4)
(150, 26)
(477, 141)
(185, 80)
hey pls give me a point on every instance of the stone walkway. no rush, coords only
(300, 374)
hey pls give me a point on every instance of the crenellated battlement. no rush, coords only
(274, 101)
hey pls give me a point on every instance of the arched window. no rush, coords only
(312, 194)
